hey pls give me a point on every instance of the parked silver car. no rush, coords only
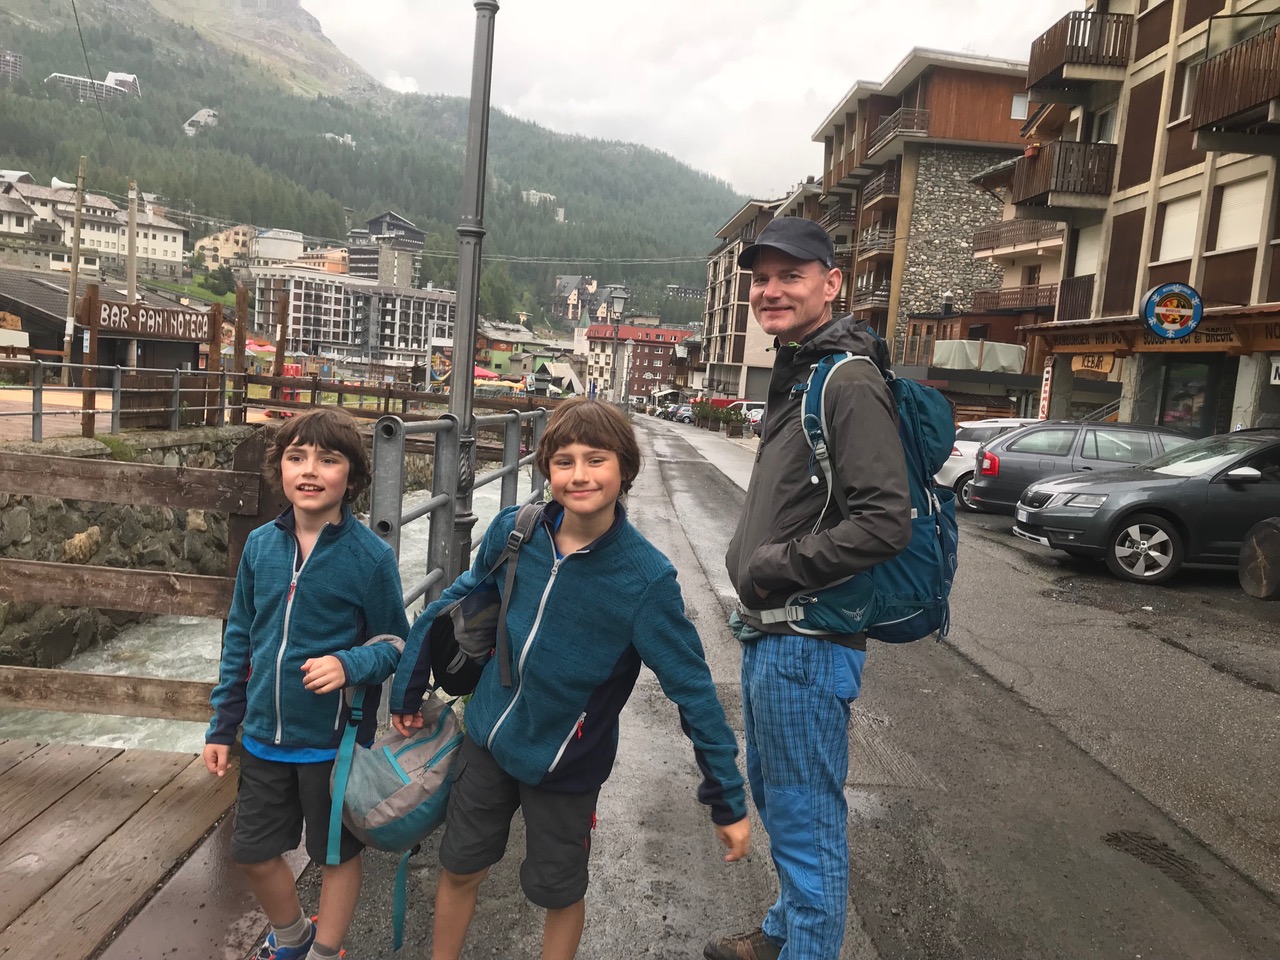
(957, 472)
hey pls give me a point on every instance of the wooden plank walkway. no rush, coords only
(86, 834)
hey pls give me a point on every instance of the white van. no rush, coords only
(746, 406)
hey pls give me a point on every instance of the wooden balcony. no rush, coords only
(870, 297)
(881, 190)
(904, 122)
(1076, 301)
(876, 244)
(1236, 106)
(1041, 296)
(1065, 174)
(836, 217)
(1014, 233)
(1083, 48)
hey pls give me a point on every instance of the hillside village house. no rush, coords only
(573, 297)
(230, 246)
(636, 363)
(104, 227)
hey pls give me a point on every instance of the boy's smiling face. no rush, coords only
(315, 480)
(586, 481)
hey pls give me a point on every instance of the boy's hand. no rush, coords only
(737, 837)
(406, 723)
(324, 675)
(215, 757)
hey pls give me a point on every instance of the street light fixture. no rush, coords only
(617, 303)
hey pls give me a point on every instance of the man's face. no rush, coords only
(791, 298)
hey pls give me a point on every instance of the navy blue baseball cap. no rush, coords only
(794, 236)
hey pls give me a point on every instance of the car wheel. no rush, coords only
(963, 487)
(686, 419)
(1144, 549)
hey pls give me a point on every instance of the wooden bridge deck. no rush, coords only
(86, 834)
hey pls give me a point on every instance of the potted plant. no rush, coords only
(717, 415)
(735, 421)
(701, 412)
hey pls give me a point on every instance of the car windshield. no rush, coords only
(1204, 456)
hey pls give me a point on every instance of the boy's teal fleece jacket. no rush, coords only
(580, 627)
(347, 591)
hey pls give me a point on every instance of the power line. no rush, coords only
(89, 71)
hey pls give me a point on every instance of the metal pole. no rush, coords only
(131, 270)
(386, 494)
(70, 330)
(444, 479)
(539, 424)
(116, 392)
(470, 240)
(175, 418)
(511, 456)
(37, 402)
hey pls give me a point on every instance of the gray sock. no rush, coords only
(294, 935)
(321, 952)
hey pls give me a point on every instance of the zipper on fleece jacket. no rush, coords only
(284, 638)
(575, 732)
(528, 645)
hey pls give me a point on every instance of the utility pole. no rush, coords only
(69, 332)
(470, 240)
(131, 269)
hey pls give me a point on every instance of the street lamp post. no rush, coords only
(470, 239)
(617, 303)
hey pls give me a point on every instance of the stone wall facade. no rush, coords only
(945, 213)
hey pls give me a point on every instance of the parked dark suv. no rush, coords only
(1005, 466)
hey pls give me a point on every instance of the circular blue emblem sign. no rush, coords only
(1172, 310)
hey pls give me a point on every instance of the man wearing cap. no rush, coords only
(797, 690)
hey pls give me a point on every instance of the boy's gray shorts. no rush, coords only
(275, 800)
(558, 828)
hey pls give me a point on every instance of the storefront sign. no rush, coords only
(147, 322)
(1172, 310)
(1046, 388)
(1097, 362)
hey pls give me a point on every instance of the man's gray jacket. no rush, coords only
(785, 543)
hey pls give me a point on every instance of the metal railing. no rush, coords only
(875, 241)
(1010, 233)
(905, 121)
(1016, 298)
(1064, 166)
(1083, 37)
(886, 184)
(387, 515)
(1076, 300)
(1243, 77)
(837, 216)
(128, 396)
(871, 296)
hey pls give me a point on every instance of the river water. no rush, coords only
(187, 648)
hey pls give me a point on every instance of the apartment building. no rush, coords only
(10, 65)
(734, 347)
(275, 246)
(352, 317)
(88, 90)
(635, 363)
(897, 191)
(1156, 149)
(226, 246)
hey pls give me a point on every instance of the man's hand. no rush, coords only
(324, 675)
(215, 758)
(406, 723)
(737, 837)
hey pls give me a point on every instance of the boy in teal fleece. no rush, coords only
(312, 587)
(592, 601)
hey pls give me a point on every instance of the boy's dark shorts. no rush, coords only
(558, 828)
(275, 800)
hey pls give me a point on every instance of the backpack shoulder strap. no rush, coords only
(526, 518)
(342, 773)
(814, 423)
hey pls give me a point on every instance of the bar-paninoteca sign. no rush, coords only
(143, 320)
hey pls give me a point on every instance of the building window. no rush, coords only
(1176, 231)
(1019, 111)
(1240, 209)
(19, 221)
(1104, 125)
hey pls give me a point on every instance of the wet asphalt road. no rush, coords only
(1086, 769)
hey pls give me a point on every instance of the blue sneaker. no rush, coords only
(269, 950)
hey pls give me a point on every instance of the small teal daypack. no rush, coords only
(392, 794)
(905, 598)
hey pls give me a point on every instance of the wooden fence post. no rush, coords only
(238, 390)
(213, 366)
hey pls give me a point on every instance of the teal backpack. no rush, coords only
(905, 598)
(394, 793)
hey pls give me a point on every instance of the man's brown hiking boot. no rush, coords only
(744, 946)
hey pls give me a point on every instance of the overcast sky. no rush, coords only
(732, 87)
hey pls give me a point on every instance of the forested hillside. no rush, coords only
(267, 161)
